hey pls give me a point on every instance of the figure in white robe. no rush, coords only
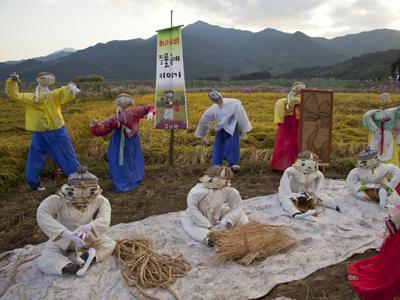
(372, 180)
(75, 219)
(231, 122)
(213, 204)
(301, 185)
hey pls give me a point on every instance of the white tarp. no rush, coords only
(330, 238)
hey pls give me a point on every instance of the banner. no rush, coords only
(316, 113)
(170, 81)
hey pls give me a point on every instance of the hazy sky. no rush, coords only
(30, 28)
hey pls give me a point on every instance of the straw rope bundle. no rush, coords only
(142, 267)
(249, 242)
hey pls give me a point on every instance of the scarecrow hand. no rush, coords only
(15, 77)
(73, 89)
(93, 123)
(150, 115)
(204, 140)
(83, 230)
(73, 238)
(243, 136)
(221, 225)
(306, 214)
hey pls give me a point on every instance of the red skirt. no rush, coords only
(378, 277)
(286, 144)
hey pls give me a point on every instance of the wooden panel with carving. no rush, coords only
(316, 117)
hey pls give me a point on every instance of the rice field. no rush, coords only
(349, 136)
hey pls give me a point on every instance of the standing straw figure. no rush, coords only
(301, 185)
(372, 180)
(213, 205)
(75, 220)
(125, 156)
(44, 118)
(381, 124)
(287, 115)
(231, 122)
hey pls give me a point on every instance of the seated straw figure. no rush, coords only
(372, 180)
(301, 185)
(75, 220)
(213, 204)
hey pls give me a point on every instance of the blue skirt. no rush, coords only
(128, 176)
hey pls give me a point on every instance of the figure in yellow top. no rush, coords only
(44, 118)
(287, 114)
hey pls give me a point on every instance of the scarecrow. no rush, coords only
(231, 122)
(44, 118)
(381, 124)
(75, 220)
(372, 180)
(286, 116)
(213, 205)
(378, 277)
(125, 157)
(301, 185)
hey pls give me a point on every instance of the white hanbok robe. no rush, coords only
(294, 181)
(384, 174)
(227, 116)
(207, 206)
(55, 215)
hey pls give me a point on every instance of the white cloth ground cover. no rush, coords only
(329, 238)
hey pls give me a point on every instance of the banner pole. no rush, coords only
(171, 137)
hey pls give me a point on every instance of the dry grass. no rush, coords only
(348, 134)
(142, 267)
(249, 242)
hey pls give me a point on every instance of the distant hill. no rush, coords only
(52, 56)
(210, 51)
(367, 66)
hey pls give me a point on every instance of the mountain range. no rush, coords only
(210, 50)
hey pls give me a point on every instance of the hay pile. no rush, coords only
(142, 267)
(249, 242)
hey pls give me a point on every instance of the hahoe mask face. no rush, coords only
(306, 166)
(214, 182)
(370, 163)
(46, 80)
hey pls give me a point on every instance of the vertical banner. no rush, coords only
(316, 118)
(170, 81)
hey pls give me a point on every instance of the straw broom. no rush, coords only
(249, 242)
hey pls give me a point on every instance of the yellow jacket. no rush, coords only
(280, 110)
(41, 116)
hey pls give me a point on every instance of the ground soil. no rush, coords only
(164, 190)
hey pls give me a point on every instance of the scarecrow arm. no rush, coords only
(101, 223)
(279, 111)
(63, 95)
(45, 215)
(193, 199)
(369, 123)
(235, 206)
(353, 181)
(204, 125)
(394, 173)
(104, 127)
(242, 119)
(12, 91)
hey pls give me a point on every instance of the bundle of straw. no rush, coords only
(249, 242)
(142, 267)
